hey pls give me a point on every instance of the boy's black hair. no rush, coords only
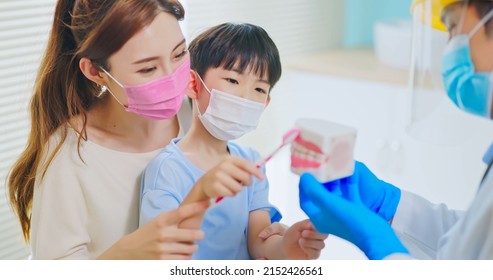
(236, 44)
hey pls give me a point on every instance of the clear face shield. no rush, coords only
(437, 111)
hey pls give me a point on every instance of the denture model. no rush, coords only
(324, 149)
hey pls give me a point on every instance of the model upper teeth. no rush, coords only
(302, 152)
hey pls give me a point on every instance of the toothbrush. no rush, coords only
(287, 139)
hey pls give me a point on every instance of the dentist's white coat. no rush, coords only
(432, 231)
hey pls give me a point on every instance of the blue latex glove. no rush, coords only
(331, 214)
(363, 186)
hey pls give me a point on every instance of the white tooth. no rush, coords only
(309, 156)
(297, 148)
(297, 170)
(309, 153)
(315, 156)
(302, 152)
(301, 148)
(297, 153)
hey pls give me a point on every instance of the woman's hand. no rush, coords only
(302, 242)
(161, 238)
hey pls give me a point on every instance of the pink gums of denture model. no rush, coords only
(324, 149)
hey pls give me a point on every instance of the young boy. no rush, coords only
(234, 67)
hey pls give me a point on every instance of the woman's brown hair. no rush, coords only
(94, 29)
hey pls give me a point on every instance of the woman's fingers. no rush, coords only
(175, 248)
(184, 212)
(174, 234)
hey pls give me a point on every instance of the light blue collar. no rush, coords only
(488, 156)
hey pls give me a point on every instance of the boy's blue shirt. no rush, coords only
(170, 176)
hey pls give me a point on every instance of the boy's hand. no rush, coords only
(273, 229)
(303, 242)
(225, 179)
(228, 177)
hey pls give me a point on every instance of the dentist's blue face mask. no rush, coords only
(470, 91)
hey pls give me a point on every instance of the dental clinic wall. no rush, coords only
(361, 15)
(297, 27)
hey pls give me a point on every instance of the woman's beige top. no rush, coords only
(81, 208)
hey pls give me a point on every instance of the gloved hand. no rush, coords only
(363, 186)
(350, 220)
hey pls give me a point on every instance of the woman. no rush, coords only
(107, 98)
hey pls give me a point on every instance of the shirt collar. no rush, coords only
(488, 156)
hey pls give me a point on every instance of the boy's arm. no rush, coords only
(300, 242)
(270, 248)
(225, 179)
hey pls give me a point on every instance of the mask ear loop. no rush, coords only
(196, 102)
(109, 90)
(202, 81)
(480, 24)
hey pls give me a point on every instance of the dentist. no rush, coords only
(371, 213)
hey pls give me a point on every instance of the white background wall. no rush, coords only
(296, 26)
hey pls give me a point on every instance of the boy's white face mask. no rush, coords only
(229, 117)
